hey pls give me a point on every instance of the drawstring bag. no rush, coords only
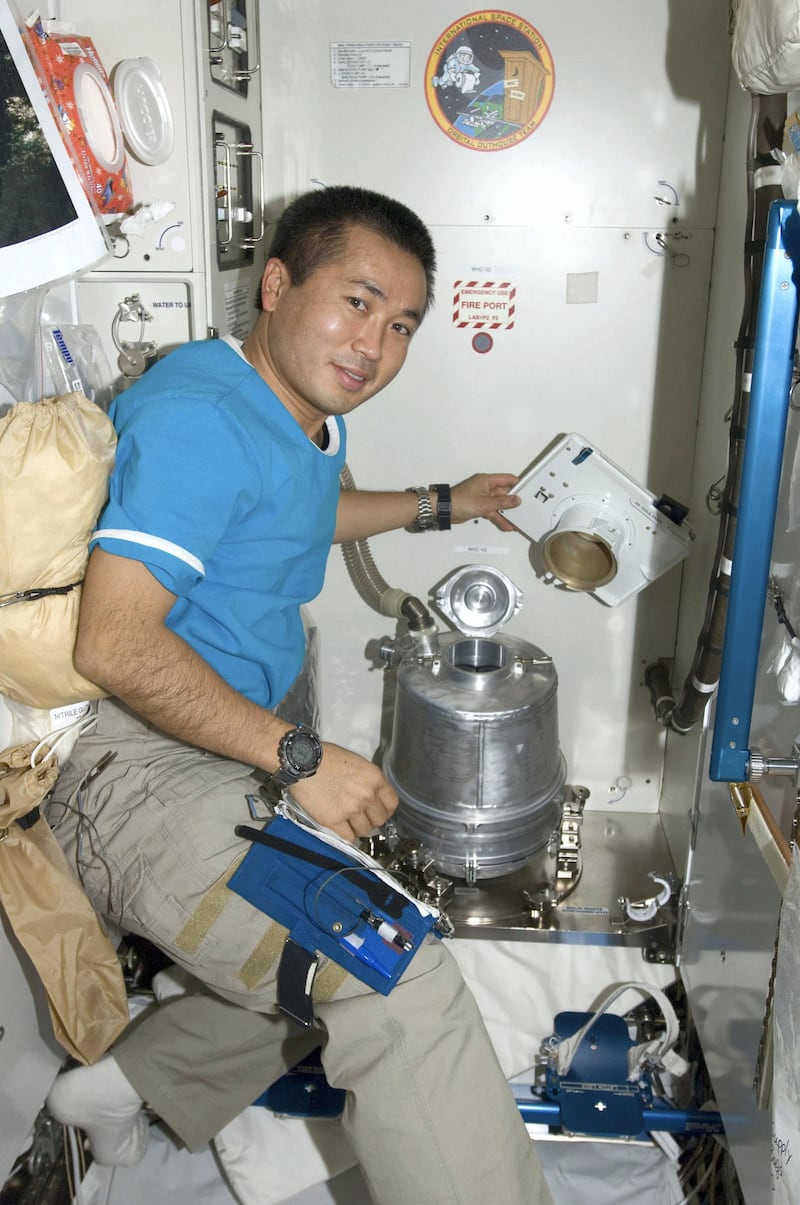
(55, 459)
(765, 48)
(52, 917)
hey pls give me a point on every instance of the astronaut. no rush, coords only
(459, 71)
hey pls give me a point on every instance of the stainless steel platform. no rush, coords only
(619, 850)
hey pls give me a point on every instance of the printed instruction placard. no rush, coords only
(371, 64)
(237, 309)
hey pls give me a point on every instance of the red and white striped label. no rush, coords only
(489, 305)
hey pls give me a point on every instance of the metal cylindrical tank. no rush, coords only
(474, 754)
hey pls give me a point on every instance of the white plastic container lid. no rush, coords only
(98, 117)
(144, 110)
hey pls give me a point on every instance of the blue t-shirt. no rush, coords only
(229, 504)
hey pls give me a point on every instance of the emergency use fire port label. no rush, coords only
(371, 64)
(490, 305)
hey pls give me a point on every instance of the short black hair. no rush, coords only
(312, 230)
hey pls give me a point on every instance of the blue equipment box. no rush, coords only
(333, 905)
(595, 1096)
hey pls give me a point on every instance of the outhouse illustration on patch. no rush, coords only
(489, 80)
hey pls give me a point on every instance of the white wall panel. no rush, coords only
(182, 242)
(624, 372)
(639, 97)
(175, 243)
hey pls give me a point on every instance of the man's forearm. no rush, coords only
(124, 646)
(364, 513)
(173, 688)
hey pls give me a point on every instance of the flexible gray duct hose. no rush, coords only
(365, 576)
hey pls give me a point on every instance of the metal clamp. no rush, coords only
(568, 852)
(133, 354)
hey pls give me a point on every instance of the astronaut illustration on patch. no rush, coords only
(459, 71)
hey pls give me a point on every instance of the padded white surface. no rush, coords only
(519, 987)
(577, 1172)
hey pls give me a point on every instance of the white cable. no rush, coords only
(658, 1050)
(59, 735)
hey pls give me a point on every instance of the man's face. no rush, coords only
(336, 340)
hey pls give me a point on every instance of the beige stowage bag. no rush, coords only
(55, 460)
(52, 917)
(766, 45)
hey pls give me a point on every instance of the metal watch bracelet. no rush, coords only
(426, 519)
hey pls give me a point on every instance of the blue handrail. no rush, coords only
(776, 332)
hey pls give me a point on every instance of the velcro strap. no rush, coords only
(29, 819)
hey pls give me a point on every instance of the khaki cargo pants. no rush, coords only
(428, 1113)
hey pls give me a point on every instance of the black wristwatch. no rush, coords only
(300, 754)
(444, 506)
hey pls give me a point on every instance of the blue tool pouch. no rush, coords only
(334, 905)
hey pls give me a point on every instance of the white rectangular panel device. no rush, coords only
(48, 228)
(597, 529)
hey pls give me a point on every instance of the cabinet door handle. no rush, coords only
(246, 151)
(225, 164)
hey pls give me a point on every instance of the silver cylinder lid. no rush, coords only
(478, 599)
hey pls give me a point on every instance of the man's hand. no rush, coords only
(485, 496)
(347, 794)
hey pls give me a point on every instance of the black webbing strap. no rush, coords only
(382, 895)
